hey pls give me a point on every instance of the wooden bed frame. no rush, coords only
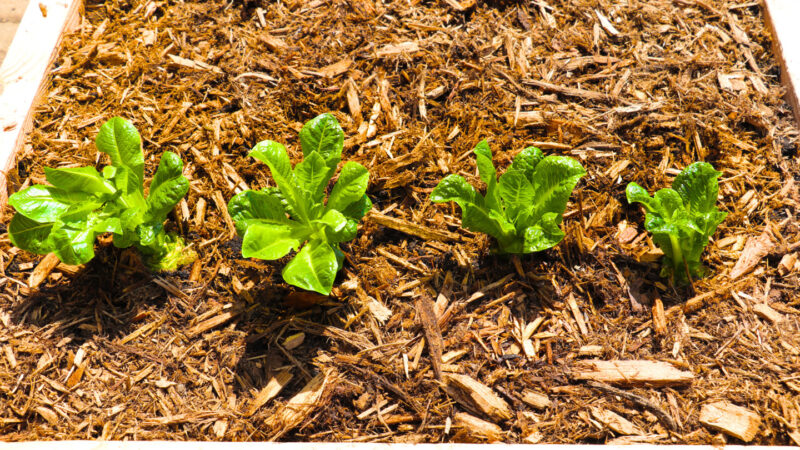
(25, 70)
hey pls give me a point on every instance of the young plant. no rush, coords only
(523, 209)
(682, 218)
(66, 216)
(276, 220)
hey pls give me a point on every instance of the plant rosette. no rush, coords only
(682, 218)
(295, 216)
(522, 209)
(65, 217)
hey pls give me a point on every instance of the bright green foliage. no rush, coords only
(682, 218)
(66, 217)
(276, 220)
(523, 209)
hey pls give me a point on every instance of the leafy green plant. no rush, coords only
(523, 209)
(81, 203)
(682, 218)
(276, 220)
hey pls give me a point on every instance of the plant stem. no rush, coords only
(677, 254)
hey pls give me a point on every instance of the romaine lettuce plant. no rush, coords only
(523, 209)
(81, 203)
(276, 220)
(682, 218)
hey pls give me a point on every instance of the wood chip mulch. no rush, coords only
(428, 337)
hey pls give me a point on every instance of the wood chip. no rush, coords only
(526, 119)
(615, 422)
(536, 400)
(336, 68)
(578, 314)
(273, 387)
(413, 229)
(43, 270)
(475, 395)
(731, 419)
(568, 91)
(433, 335)
(659, 319)
(213, 322)
(478, 428)
(178, 61)
(765, 312)
(632, 373)
(398, 49)
(606, 24)
(754, 251)
(299, 407)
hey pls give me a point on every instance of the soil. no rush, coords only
(636, 90)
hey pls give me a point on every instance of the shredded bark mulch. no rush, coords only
(428, 336)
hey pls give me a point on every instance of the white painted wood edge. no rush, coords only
(783, 19)
(25, 70)
(169, 445)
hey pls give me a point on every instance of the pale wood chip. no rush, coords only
(413, 229)
(478, 428)
(731, 419)
(299, 407)
(336, 68)
(632, 373)
(273, 387)
(536, 399)
(42, 270)
(475, 395)
(754, 251)
(615, 422)
(767, 313)
(398, 49)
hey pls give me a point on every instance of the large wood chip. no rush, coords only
(269, 391)
(731, 419)
(213, 322)
(178, 61)
(754, 251)
(478, 428)
(536, 400)
(398, 49)
(632, 373)
(336, 68)
(42, 270)
(299, 407)
(475, 395)
(767, 313)
(413, 229)
(615, 422)
(433, 335)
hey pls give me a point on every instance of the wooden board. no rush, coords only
(24, 72)
(783, 17)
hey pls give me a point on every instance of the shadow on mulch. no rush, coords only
(108, 297)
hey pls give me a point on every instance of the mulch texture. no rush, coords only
(636, 90)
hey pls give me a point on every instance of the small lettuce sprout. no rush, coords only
(294, 215)
(80, 203)
(523, 209)
(682, 218)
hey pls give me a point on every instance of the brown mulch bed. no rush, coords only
(636, 90)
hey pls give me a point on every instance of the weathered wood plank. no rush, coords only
(782, 17)
(25, 70)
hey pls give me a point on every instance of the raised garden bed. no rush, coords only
(584, 343)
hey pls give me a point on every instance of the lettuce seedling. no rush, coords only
(682, 218)
(276, 220)
(523, 209)
(80, 203)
